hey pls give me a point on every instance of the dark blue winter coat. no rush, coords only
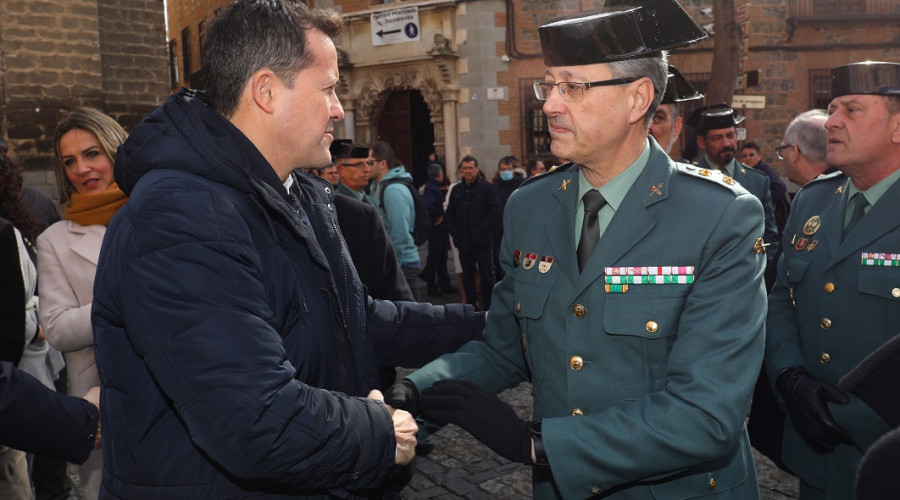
(234, 341)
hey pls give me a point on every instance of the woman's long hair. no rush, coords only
(12, 206)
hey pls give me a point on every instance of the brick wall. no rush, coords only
(60, 53)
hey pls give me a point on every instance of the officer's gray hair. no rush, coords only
(807, 132)
(434, 170)
(654, 67)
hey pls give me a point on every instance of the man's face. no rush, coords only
(720, 144)
(750, 157)
(354, 172)
(859, 132)
(468, 171)
(331, 175)
(586, 131)
(379, 167)
(306, 113)
(664, 128)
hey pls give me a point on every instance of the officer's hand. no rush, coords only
(486, 417)
(405, 396)
(405, 430)
(806, 399)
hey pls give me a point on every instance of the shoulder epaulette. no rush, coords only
(565, 167)
(708, 174)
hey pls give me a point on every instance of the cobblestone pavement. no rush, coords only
(459, 467)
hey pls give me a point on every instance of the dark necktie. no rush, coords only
(590, 228)
(858, 204)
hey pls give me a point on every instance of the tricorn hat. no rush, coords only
(868, 77)
(618, 31)
(344, 148)
(712, 117)
(678, 89)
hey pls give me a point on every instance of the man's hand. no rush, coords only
(405, 430)
(405, 396)
(806, 399)
(93, 397)
(486, 417)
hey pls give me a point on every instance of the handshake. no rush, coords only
(482, 414)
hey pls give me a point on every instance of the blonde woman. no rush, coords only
(85, 143)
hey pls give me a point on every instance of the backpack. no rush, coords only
(422, 225)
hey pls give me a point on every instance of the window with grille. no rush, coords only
(819, 88)
(535, 134)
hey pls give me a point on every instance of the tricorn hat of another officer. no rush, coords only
(868, 77)
(712, 117)
(618, 31)
(344, 148)
(678, 89)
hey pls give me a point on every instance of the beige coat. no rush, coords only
(67, 261)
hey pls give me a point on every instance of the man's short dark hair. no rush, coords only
(751, 145)
(383, 151)
(465, 159)
(250, 35)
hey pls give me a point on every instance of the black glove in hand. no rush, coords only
(806, 398)
(404, 396)
(486, 417)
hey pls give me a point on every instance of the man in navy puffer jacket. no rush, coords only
(235, 344)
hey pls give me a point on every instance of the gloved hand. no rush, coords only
(486, 417)
(404, 396)
(806, 398)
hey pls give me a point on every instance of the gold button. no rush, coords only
(652, 326)
(596, 491)
(896, 293)
(578, 311)
(825, 323)
(824, 358)
(576, 363)
(829, 287)
(577, 412)
(712, 483)
(518, 306)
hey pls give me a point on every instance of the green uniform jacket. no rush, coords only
(643, 394)
(845, 308)
(758, 184)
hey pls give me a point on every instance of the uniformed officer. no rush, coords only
(837, 297)
(623, 271)
(667, 121)
(717, 139)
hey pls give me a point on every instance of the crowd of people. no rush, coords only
(220, 308)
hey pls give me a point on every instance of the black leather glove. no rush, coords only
(404, 396)
(485, 416)
(806, 398)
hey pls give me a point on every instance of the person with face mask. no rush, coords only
(507, 180)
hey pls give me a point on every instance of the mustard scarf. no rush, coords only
(96, 208)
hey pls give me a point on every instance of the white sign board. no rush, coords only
(749, 102)
(396, 26)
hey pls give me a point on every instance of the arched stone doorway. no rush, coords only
(405, 123)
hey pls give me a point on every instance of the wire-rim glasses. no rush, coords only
(574, 91)
(779, 149)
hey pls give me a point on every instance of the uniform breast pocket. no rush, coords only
(880, 290)
(641, 328)
(531, 300)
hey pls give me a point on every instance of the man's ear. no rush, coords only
(701, 141)
(894, 122)
(642, 98)
(676, 128)
(262, 84)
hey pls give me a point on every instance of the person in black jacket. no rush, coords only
(471, 219)
(435, 272)
(506, 180)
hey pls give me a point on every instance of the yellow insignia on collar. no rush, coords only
(656, 189)
(564, 185)
(839, 190)
(760, 247)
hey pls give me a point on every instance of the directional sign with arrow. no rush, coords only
(395, 26)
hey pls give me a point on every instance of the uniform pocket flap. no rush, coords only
(530, 300)
(880, 281)
(796, 270)
(647, 317)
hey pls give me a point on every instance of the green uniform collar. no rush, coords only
(873, 194)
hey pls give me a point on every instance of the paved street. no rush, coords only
(459, 467)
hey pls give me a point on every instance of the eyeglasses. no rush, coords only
(779, 149)
(574, 91)
(359, 164)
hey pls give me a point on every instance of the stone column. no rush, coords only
(450, 96)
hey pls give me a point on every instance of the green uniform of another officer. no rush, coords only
(642, 366)
(837, 297)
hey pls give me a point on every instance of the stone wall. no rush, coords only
(56, 54)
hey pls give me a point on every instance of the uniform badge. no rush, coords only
(812, 245)
(517, 257)
(880, 259)
(812, 225)
(839, 190)
(704, 173)
(801, 244)
(564, 186)
(728, 180)
(529, 261)
(546, 263)
(656, 190)
(759, 247)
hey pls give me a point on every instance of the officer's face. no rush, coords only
(719, 144)
(860, 133)
(588, 130)
(354, 172)
(664, 127)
